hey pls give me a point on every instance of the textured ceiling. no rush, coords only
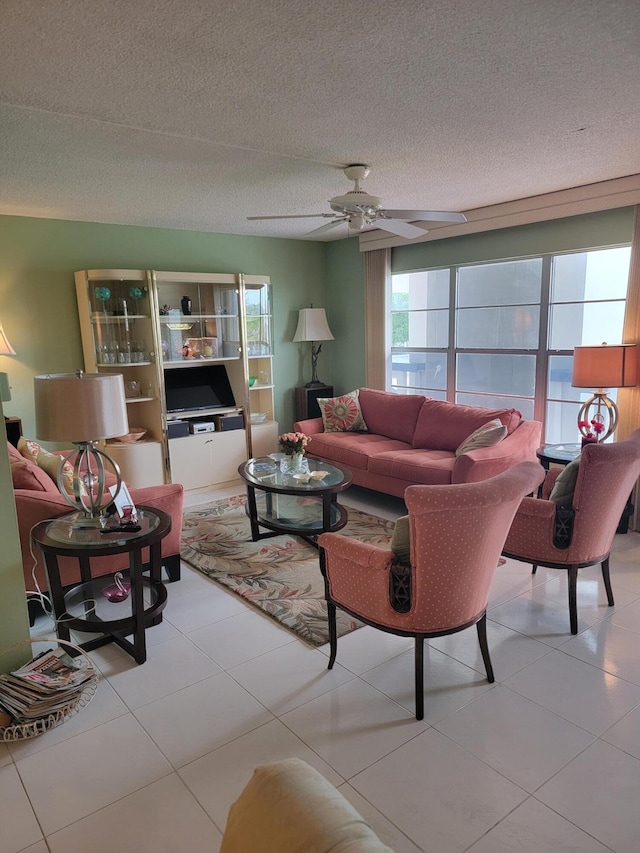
(197, 114)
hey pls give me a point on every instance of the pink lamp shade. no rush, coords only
(5, 346)
(605, 366)
(80, 408)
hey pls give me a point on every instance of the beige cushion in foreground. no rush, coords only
(288, 807)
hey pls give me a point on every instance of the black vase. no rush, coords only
(185, 304)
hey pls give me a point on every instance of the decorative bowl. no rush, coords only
(258, 417)
(134, 434)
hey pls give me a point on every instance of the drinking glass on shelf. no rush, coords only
(124, 353)
(137, 351)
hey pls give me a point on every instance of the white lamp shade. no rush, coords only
(5, 346)
(312, 326)
(605, 366)
(80, 407)
(5, 388)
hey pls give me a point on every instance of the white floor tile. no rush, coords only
(5, 756)
(448, 685)
(519, 739)
(534, 828)
(352, 726)
(610, 648)
(368, 647)
(202, 606)
(70, 780)
(289, 676)
(164, 816)
(38, 847)
(383, 828)
(240, 638)
(509, 650)
(627, 617)
(582, 694)
(576, 793)
(625, 734)
(200, 718)
(539, 617)
(218, 778)
(446, 808)
(169, 667)
(18, 825)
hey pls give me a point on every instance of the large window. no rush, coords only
(503, 334)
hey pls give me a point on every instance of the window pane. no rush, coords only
(419, 370)
(420, 328)
(509, 283)
(587, 276)
(496, 374)
(494, 402)
(499, 328)
(559, 379)
(412, 291)
(587, 323)
(562, 423)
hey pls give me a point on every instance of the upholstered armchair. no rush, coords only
(578, 531)
(456, 536)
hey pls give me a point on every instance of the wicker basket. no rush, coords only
(22, 731)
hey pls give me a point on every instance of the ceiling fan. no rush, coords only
(358, 209)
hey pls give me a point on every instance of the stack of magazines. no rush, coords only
(51, 682)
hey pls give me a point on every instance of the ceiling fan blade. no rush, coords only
(403, 229)
(295, 216)
(327, 226)
(426, 215)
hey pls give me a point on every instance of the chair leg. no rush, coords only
(172, 567)
(573, 605)
(481, 625)
(333, 633)
(534, 569)
(419, 655)
(607, 581)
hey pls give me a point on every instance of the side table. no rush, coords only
(83, 607)
(307, 400)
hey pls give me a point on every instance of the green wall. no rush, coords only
(607, 228)
(345, 368)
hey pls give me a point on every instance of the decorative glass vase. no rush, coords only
(296, 463)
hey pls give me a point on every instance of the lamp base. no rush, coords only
(601, 410)
(315, 383)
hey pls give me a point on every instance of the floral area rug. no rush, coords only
(281, 575)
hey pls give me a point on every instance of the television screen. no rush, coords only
(191, 389)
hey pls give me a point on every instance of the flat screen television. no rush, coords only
(193, 389)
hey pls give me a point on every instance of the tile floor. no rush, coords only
(546, 759)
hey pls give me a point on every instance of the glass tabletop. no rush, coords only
(559, 452)
(88, 602)
(296, 512)
(264, 473)
(66, 529)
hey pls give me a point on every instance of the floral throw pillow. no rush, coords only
(485, 436)
(47, 462)
(342, 414)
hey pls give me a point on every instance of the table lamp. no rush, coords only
(83, 408)
(602, 367)
(313, 326)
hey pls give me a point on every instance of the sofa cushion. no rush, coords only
(48, 462)
(565, 484)
(354, 450)
(421, 467)
(485, 436)
(401, 540)
(342, 414)
(26, 475)
(392, 415)
(444, 426)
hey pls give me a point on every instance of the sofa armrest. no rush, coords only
(486, 462)
(312, 426)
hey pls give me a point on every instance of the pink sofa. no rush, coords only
(412, 439)
(37, 498)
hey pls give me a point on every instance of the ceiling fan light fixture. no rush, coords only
(357, 223)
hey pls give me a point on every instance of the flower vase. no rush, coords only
(294, 464)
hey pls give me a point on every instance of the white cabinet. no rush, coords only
(191, 347)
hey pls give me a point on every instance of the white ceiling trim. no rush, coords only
(590, 198)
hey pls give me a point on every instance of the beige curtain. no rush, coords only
(377, 271)
(629, 398)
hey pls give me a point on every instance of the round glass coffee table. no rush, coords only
(288, 503)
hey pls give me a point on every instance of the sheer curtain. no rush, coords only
(629, 398)
(377, 271)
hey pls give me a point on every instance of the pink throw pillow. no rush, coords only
(342, 414)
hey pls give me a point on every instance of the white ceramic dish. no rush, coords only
(258, 417)
(133, 435)
(277, 456)
(304, 478)
(318, 475)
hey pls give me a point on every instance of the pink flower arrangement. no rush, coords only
(293, 442)
(591, 430)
